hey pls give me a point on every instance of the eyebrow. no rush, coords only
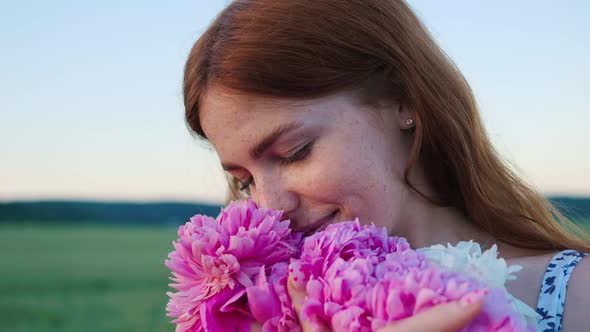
(258, 150)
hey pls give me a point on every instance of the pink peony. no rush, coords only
(344, 240)
(215, 260)
(359, 279)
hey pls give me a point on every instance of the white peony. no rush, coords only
(467, 258)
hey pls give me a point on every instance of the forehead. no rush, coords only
(223, 111)
(233, 118)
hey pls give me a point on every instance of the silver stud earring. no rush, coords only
(409, 122)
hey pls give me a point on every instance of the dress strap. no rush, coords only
(553, 290)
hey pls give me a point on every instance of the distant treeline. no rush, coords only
(167, 213)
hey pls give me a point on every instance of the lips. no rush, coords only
(320, 224)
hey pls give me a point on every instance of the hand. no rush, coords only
(449, 317)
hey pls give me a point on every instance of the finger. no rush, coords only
(297, 296)
(449, 317)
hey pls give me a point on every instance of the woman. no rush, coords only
(336, 109)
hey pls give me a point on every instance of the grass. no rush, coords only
(87, 278)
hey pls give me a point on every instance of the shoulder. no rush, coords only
(529, 281)
(577, 301)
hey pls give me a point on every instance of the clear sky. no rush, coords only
(91, 103)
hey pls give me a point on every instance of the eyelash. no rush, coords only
(299, 155)
(247, 184)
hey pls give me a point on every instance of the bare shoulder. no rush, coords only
(575, 316)
(529, 280)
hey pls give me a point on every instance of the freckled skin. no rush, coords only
(356, 164)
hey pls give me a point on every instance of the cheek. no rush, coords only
(337, 175)
(326, 178)
(353, 176)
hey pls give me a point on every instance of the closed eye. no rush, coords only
(298, 155)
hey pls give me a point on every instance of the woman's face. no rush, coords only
(322, 160)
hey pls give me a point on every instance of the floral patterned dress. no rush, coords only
(552, 298)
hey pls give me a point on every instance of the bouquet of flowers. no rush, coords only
(232, 272)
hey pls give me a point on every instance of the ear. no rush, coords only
(406, 117)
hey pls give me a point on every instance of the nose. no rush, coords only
(275, 193)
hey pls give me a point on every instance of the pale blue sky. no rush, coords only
(91, 104)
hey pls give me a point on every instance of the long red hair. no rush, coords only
(309, 48)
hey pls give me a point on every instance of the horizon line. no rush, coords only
(187, 201)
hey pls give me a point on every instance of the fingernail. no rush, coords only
(474, 297)
(296, 276)
(466, 302)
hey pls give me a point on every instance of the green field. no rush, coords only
(91, 278)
